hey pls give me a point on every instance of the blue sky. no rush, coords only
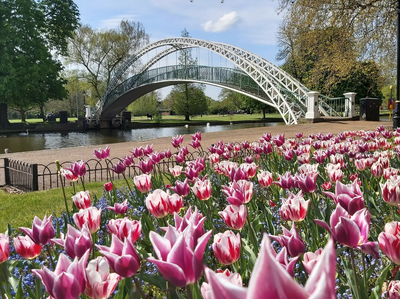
(248, 24)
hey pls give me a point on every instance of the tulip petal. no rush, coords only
(162, 246)
(222, 288)
(321, 282)
(170, 272)
(347, 232)
(199, 253)
(371, 248)
(324, 225)
(280, 283)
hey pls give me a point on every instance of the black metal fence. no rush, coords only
(33, 177)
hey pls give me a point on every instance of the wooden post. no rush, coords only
(6, 171)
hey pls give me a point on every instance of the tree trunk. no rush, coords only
(187, 113)
(42, 116)
(263, 110)
(23, 117)
(4, 123)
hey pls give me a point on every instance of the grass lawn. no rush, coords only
(20, 209)
(39, 120)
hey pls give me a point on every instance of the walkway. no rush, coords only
(160, 144)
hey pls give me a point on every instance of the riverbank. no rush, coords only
(123, 149)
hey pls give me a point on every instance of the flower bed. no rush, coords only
(309, 217)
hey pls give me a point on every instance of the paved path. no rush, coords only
(160, 144)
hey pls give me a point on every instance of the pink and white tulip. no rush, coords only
(234, 216)
(42, 231)
(226, 247)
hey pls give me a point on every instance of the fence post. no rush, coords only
(6, 171)
(35, 178)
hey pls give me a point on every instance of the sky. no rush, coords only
(249, 24)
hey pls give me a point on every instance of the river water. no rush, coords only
(23, 142)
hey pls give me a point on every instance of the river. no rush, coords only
(23, 142)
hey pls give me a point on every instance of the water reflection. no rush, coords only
(40, 141)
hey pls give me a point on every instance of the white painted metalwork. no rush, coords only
(287, 94)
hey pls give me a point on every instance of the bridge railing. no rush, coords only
(334, 106)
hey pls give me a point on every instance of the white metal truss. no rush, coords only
(287, 94)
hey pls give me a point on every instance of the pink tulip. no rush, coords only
(226, 247)
(119, 168)
(285, 181)
(239, 192)
(352, 230)
(195, 143)
(319, 156)
(68, 174)
(304, 158)
(167, 153)
(294, 208)
(146, 166)
(91, 216)
(310, 259)
(270, 280)
(26, 248)
(119, 208)
(68, 281)
(42, 231)
(182, 188)
(177, 140)
(389, 172)
(361, 164)
(102, 154)
(82, 200)
(195, 219)
(179, 260)
(4, 248)
(191, 173)
(350, 197)
(108, 186)
(326, 185)
(283, 260)
(291, 240)
(394, 289)
(237, 174)
(128, 160)
(334, 172)
(214, 158)
(196, 135)
(288, 155)
(278, 139)
(137, 152)
(389, 241)
(176, 170)
(143, 182)
(100, 283)
(124, 228)
(121, 256)
(377, 170)
(202, 189)
(75, 242)
(175, 204)
(232, 278)
(306, 182)
(158, 203)
(391, 191)
(249, 168)
(234, 216)
(78, 169)
(265, 179)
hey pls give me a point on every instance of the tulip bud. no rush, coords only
(124, 228)
(42, 231)
(158, 203)
(119, 208)
(294, 208)
(226, 247)
(91, 216)
(4, 248)
(394, 289)
(82, 200)
(310, 259)
(391, 191)
(234, 216)
(265, 179)
(143, 182)
(26, 248)
(176, 170)
(108, 186)
(202, 189)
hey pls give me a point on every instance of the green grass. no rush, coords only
(38, 120)
(209, 118)
(20, 209)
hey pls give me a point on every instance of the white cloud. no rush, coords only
(224, 23)
(115, 21)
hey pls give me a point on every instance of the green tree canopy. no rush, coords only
(31, 34)
(147, 104)
(99, 53)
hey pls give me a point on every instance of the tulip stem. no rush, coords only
(63, 189)
(254, 236)
(83, 184)
(139, 288)
(129, 186)
(364, 271)
(5, 280)
(356, 288)
(50, 255)
(189, 292)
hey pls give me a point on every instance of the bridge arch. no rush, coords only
(284, 93)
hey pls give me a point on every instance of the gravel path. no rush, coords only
(160, 144)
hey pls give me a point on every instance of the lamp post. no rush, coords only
(396, 117)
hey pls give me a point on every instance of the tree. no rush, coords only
(189, 98)
(326, 60)
(100, 52)
(147, 104)
(32, 34)
(372, 23)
